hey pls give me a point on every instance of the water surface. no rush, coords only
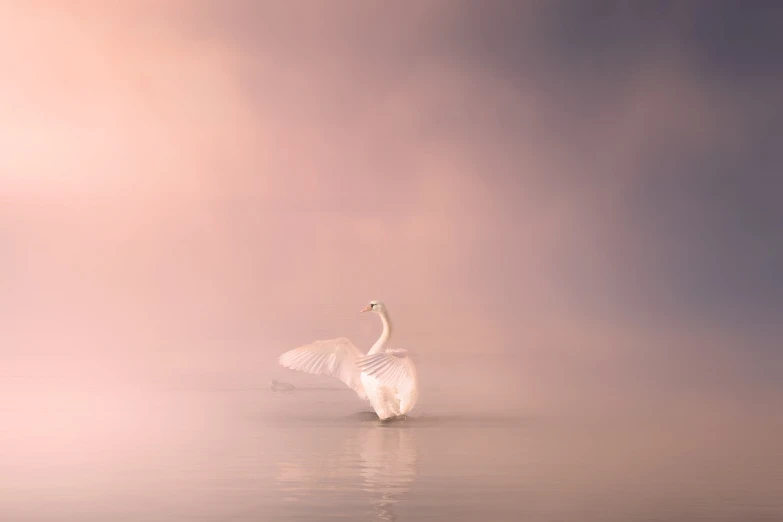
(202, 450)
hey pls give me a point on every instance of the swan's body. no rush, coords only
(386, 378)
(281, 386)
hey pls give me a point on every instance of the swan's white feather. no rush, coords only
(332, 357)
(394, 372)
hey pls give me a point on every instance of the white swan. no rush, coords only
(386, 378)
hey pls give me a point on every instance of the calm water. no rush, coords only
(210, 451)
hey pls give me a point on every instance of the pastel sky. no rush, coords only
(187, 182)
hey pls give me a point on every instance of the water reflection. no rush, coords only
(389, 459)
(375, 464)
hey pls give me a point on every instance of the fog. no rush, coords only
(568, 214)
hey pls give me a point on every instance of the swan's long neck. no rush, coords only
(385, 334)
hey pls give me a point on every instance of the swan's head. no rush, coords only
(374, 306)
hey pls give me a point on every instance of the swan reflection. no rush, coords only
(388, 457)
(375, 467)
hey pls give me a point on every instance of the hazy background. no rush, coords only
(568, 207)
(591, 192)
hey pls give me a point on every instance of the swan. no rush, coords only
(281, 386)
(384, 377)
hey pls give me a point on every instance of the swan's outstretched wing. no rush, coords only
(393, 368)
(333, 357)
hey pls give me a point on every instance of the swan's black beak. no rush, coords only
(367, 308)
